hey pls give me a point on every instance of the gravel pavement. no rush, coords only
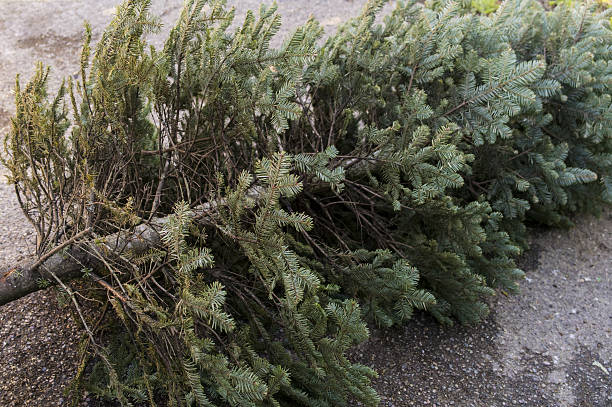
(549, 346)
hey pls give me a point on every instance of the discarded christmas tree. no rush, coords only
(245, 209)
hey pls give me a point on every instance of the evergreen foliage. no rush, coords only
(302, 190)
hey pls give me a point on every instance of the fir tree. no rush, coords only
(244, 209)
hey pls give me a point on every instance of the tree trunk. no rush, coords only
(18, 281)
(21, 280)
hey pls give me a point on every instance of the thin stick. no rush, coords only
(56, 249)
